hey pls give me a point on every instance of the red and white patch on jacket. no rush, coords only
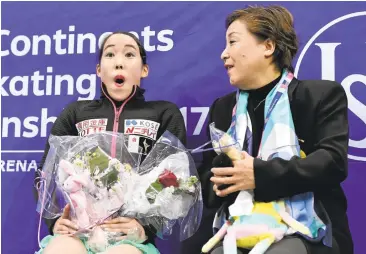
(91, 126)
(142, 127)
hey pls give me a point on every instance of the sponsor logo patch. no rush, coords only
(145, 128)
(91, 126)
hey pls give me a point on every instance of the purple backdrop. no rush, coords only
(48, 60)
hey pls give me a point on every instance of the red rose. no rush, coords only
(167, 179)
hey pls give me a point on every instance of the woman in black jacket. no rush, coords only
(260, 45)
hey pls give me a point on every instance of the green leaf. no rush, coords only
(98, 159)
(153, 190)
(110, 178)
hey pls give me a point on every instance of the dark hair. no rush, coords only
(141, 48)
(274, 23)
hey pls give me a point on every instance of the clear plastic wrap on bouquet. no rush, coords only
(222, 142)
(91, 174)
(167, 190)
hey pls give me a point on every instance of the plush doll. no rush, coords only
(227, 146)
(73, 185)
(267, 223)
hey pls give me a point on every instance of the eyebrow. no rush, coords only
(232, 33)
(108, 46)
(130, 45)
(127, 45)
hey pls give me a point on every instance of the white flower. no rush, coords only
(96, 172)
(114, 163)
(170, 190)
(99, 183)
(79, 163)
(191, 189)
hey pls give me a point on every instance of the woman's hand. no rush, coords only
(240, 177)
(63, 225)
(126, 226)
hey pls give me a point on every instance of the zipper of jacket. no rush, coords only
(117, 114)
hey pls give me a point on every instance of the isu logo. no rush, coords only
(335, 52)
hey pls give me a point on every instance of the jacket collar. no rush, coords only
(136, 96)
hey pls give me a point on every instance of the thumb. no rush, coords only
(244, 154)
(66, 213)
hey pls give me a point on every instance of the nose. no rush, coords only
(119, 64)
(224, 55)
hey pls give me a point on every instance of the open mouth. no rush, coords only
(119, 80)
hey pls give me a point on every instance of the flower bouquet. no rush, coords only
(100, 179)
(81, 172)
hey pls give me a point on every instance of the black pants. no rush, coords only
(290, 245)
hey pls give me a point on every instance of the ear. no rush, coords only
(145, 71)
(67, 167)
(98, 70)
(269, 47)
